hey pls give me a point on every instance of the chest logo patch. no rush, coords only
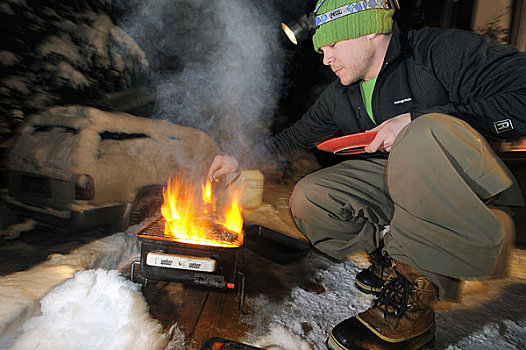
(503, 125)
(404, 100)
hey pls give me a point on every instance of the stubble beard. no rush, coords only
(358, 69)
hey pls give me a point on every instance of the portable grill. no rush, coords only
(164, 258)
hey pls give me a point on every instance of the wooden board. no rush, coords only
(202, 312)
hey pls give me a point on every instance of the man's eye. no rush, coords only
(332, 45)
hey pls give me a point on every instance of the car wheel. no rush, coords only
(146, 206)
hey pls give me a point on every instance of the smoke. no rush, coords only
(217, 65)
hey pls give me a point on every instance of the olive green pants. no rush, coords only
(432, 191)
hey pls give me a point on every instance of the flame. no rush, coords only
(207, 192)
(199, 222)
(234, 219)
(207, 197)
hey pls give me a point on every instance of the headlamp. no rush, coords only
(300, 29)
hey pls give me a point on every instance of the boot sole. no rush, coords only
(391, 340)
(364, 288)
(425, 341)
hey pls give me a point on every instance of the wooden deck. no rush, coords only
(202, 312)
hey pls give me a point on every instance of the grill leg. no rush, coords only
(132, 275)
(241, 292)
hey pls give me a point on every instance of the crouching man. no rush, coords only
(429, 200)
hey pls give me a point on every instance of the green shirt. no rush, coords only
(367, 87)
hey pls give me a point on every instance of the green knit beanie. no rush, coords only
(377, 20)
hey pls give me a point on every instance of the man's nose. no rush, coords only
(327, 58)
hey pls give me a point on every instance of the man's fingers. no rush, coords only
(219, 172)
(387, 133)
(212, 171)
(375, 144)
(222, 165)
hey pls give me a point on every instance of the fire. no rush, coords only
(233, 217)
(188, 220)
(207, 196)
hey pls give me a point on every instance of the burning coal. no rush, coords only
(196, 218)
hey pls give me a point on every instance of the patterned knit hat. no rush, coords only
(361, 21)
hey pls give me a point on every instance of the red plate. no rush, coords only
(348, 144)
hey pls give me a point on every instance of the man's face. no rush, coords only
(349, 59)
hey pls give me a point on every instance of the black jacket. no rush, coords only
(450, 71)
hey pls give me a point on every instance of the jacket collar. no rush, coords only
(395, 48)
(394, 51)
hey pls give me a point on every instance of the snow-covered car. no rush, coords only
(79, 167)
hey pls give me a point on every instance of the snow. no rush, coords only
(70, 298)
(63, 46)
(137, 162)
(279, 337)
(5, 8)
(8, 58)
(21, 292)
(490, 316)
(18, 2)
(66, 323)
(66, 74)
(76, 53)
(16, 83)
(310, 314)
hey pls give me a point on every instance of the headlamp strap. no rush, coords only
(352, 8)
(318, 6)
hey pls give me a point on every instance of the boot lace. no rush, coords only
(380, 261)
(393, 300)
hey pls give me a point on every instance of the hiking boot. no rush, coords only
(362, 338)
(402, 316)
(371, 279)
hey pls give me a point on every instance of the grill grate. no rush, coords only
(155, 230)
(214, 234)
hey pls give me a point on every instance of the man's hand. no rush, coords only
(222, 165)
(387, 133)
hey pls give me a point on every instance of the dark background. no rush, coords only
(22, 30)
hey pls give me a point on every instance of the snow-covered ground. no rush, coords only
(83, 301)
(492, 314)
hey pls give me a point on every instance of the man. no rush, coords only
(430, 179)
